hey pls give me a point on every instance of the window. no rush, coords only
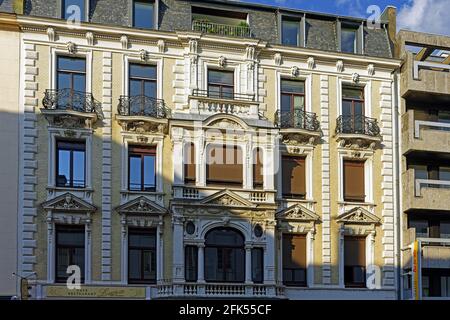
(224, 166)
(294, 260)
(435, 282)
(293, 102)
(431, 172)
(189, 163)
(353, 109)
(69, 250)
(71, 77)
(142, 168)
(294, 177)
(349, 40)
(142, 89)
(290, 32)
(258, 174)
(70, 164)
(144, 14)
(224, 256)
(74, 10)
(421, 227)
(191, 259)
(141, 256)
(430, 225)
(258, 265)
(354, 181)
(220, 84)
(355, 261)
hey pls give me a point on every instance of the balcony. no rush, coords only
(421, 135)
(357, 130)
(298, 125)
(242, 30)
(425, 70)
(425, 194)
(210, 103)
(69, 108)
(143, 114)
(219, 290)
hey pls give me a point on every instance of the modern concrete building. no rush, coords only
(9, 155)
(206, 149)
(425, 140)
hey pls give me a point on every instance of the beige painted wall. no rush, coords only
(9, 146)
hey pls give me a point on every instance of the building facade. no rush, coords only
(206, 149)
(9, 157)
(425, 100)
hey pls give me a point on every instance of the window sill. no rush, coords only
(156, 193)
(357, 203)
(85, 189)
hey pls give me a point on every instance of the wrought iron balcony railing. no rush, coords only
(223, 95)
(143, 106)
(297, 119)
(358, 125)
(222, 29)
(68, 99)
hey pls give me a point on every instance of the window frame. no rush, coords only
(350, 283)
(86, 13)
(299, 21)
(294, 283)
(142, 249)
(220, 85)
(69, 229)
(155, 14)
(71, 165)
(291, 195)
(193, 267)
(190, 152)
(141, 79)
(258, 163)
(146, 151)
(215, 182)
(292, 94)
(362, 199)
(255, 279)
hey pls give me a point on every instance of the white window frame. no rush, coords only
(306, 77)
(153, 61)
(368, 177)
(235, 68)
(155, 15)
(157, 141)
(366, 84)
(81, 134)
(56, 52)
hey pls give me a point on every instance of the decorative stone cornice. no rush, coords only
(298, 212)
(358, 215)
(141, 206)
(68, 203)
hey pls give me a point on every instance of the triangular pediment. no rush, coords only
(299, 213)
(227, 198)
(68, 202)
(141, 205)
(358, 215)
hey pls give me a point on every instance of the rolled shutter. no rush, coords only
(355, 251)
(258, 177)
(354, 181)
(294, 177)
(224, 165)
(294, 251)
(189, 165)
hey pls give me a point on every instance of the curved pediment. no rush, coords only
(358, 215)
(68, 203)
(298, 213)
(141, 206)
(225, 121)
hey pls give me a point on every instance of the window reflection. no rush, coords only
(142, 168)
(290, 32)
(143, 14)
(141, 255)
(69, 250)
(72, 7)
(71, 161)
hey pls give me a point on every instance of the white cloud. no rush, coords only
(431, 16)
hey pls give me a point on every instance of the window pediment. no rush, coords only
(226, 122)
(141, 206)
(298, 213)
(68, 203)
(226, 198)
(358, 215)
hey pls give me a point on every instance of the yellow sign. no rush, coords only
(96, 292)
(415, 269)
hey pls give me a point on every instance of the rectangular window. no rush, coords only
(70, 246)
(71, 77)
(258, 265)
(294, 177)
(435, 282)
(355, 261)
(349, 38)
(70, 164)
(141, 255)
(290, 32)
(142, 168)
(353, 109)
(189, 163)
(74, 10)
(421, 227)
(292, 95)
(143, 80)
(224, 165)
(191, 260)
(430, 226)
(294, 260)
(220, 84)
(354, 190)
(144, 14)
(258, 174)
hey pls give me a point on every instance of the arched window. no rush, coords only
(224, 256)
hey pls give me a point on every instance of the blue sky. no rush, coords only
(432, 16)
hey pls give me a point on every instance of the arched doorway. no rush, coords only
(224, 256)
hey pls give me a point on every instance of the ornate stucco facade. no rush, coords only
(105, 207)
